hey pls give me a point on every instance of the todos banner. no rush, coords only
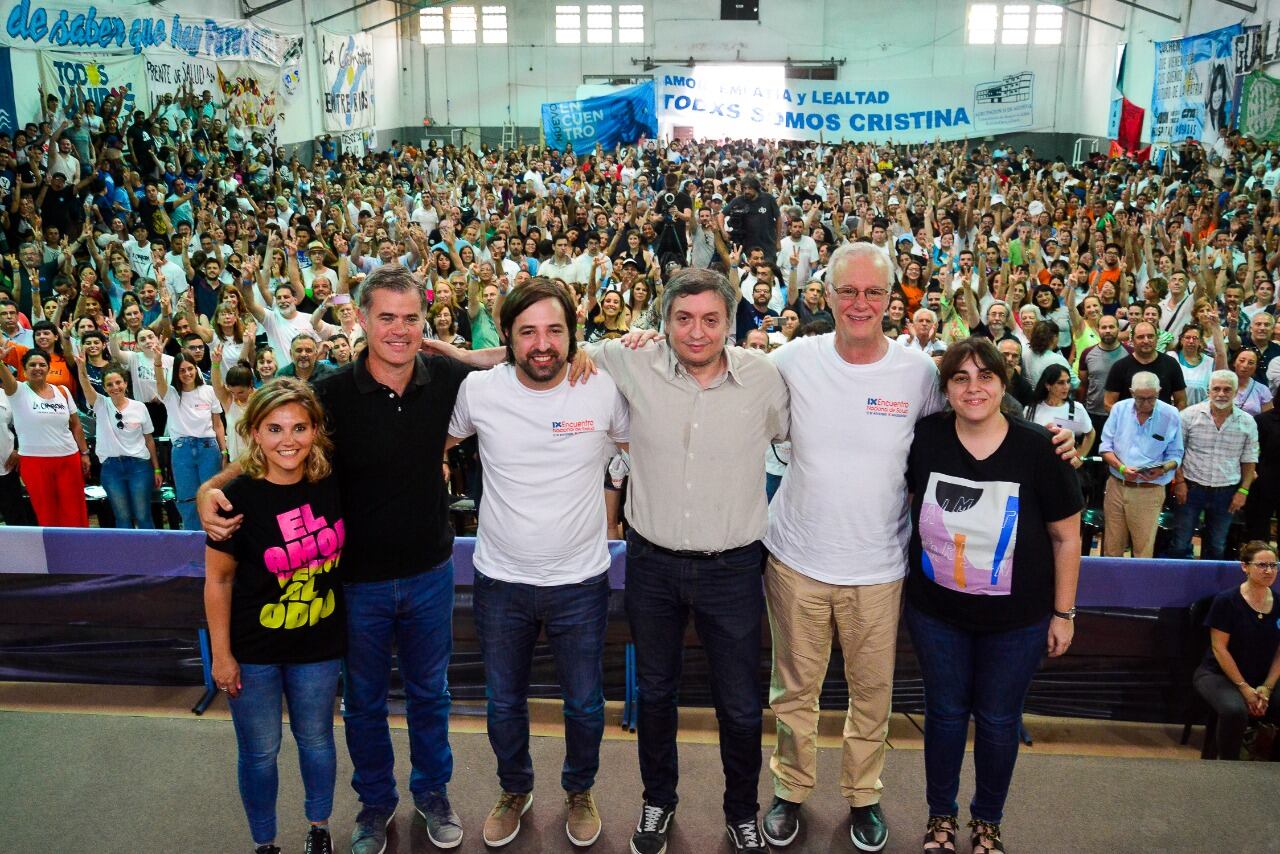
(621, 117)
(75, 76)
(37, 25)
(1260, 108)
(1194, 94)
(347, 76)
(250, 94)
(727, 102)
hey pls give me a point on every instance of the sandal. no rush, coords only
(940, 834)
(985, 830)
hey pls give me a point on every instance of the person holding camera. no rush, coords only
(672, 211)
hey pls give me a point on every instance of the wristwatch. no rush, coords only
(1069, 614)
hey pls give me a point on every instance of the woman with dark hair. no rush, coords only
(198, 439)
(1217, 101)
(994, 558)
(276, 616)
(53, 452)
(1052, 309)
(1242, 666)
(1040, 352)
(124, 446)
(1056, 409)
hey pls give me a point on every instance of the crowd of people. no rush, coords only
(770, 322)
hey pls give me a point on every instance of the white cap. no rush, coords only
(893, 200)
(997, 199)
(1035, 208)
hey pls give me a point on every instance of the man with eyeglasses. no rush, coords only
(1218, 467)
(1142, 446)
(836, 565)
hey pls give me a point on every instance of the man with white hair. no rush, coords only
(836, 566)
(923, 335)
(1218, 467)
(1142, 446)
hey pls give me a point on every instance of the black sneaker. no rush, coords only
(745, 836)
(651, 830)
(867, 828)
(318, 841)
(266, 849)
(781, 823)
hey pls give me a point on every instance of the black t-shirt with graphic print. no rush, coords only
(286, 601)
(980, 556)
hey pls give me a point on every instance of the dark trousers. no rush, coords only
(14, 506)
(1233, 715)
(1260, 508)
(725, 595)
(985, 676)
(508, 618)
(1215, 503)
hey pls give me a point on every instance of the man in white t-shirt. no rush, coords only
(282, 321)
(560, 265)
(798, 251)
(836, 564)
(541, 554)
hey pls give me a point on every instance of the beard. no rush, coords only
(541, 373)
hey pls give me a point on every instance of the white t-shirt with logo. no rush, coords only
(191, 413)
(544, 454)
(43, 425)
(282, 330)
(841, 514)
(114, 440)
(142, 374)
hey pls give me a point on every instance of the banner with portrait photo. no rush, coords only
(77, 76)
(251, 92)
(1195, 94)
(346, 75)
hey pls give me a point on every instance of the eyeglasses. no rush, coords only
(869, 294)
(1270, 566)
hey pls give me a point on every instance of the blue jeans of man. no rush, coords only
(416, 614)
(725, 596)
(983, 675)
(194, 461)
(310, 690)
(1215, 503)
(508, 617)
(129, 482)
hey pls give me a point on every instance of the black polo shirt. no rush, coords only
(387, 454)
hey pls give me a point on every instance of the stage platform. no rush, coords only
(136, 776)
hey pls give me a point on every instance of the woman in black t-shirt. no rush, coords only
(1242, 666)
(273, 599)
(994, 560)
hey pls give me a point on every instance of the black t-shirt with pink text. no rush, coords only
(286, 602)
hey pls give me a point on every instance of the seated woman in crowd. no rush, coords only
(276, 626)
(994, 559)
(1242, 666)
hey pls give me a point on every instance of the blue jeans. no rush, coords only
(129, 482)
(508, 618)
(1215, 502)
(194, 461)
(725, 595)
(310, 690)
(416, 613)
(985, 675)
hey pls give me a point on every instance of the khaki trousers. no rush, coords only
(1130, 515)
(804, 617)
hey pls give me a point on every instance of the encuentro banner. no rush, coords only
(621, 117)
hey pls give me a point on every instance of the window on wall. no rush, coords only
(600, 23)
(1015, 23)
(463, 25)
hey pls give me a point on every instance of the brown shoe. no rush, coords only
(583, 825)
(503, 823)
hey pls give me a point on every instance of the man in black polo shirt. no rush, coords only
(755, 218)
(1259, 341)
(388, 415)
(1173, 387)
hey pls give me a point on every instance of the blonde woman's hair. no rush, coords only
(275, 394)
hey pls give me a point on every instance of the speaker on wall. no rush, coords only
(739, 10)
